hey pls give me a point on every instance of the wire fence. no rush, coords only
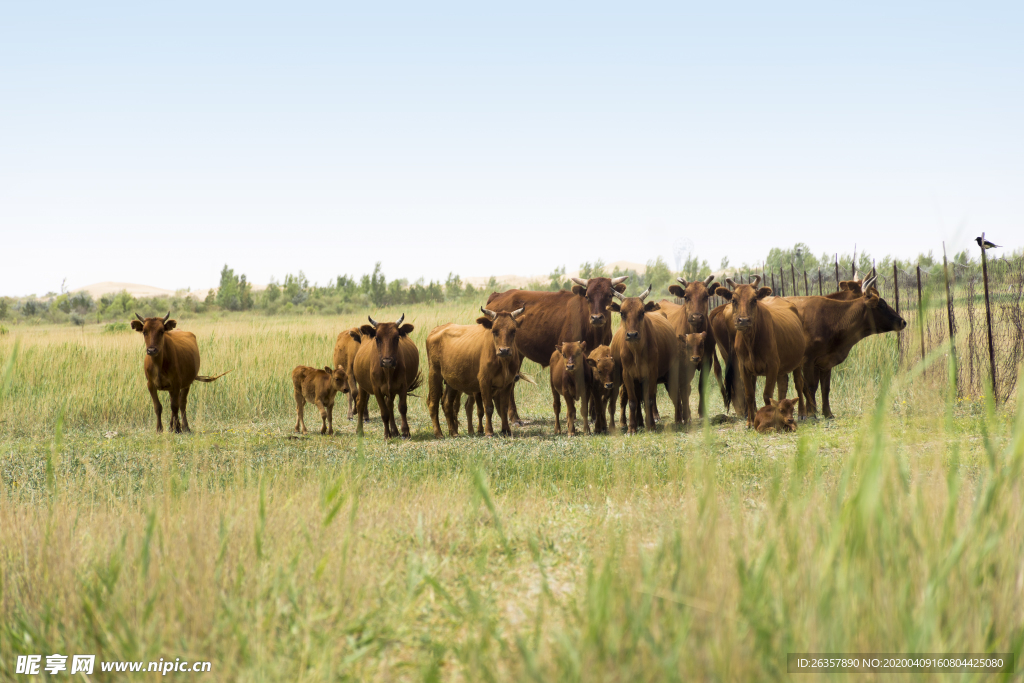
(934, 312)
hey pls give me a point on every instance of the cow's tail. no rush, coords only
(730, 377)
(417, 382)
(211, 378)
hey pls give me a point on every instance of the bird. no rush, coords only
(985, 244)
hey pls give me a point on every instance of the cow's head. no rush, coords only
(503, 326)
(339, 380)
(694, 343)
(852, 286)
(386, 336)
(603, 369)
(598, 292)
(695, 297)
(152, 330)
(744, 300)
(880, 314)
(632, 310)
(785, 408)
(573, 354)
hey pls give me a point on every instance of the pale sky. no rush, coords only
(155, 142)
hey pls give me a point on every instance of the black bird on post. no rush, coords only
(985, 244)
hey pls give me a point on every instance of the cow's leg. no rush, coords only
(798, 382)
(175, 420)
(783, 386)
(330, 417)
(585, 402)
(556, 405)
(364, 398)
(157, 408)
(811, 388)
(629, 388)
(300, 405)
(650, 391)
(826, 389)
(452, 404)
(513, 410)
(468, 408)
(403, 407)
(750, 402)
(435, 394)
(485, 392)
(674, 390)
(385, 413)
(503, 398)
(570, 412)
(323, 415)
(183, 397)
(478, 398)
(391, 415)
(623, 399)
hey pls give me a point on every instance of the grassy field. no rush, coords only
(708, 553)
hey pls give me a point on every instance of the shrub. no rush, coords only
(117, 327)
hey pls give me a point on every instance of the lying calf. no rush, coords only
(777, 416)
(319, 388)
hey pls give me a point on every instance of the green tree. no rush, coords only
(228, 294)
(557, 280)
(658, 276)
(453, 287)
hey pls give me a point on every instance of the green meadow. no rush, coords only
(702, 553)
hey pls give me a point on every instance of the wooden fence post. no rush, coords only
(949, 317)
(988, 320)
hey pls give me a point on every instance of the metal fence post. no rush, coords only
(773, 282)
(988, 320)
(949, 316)
(920, 311)
(807, 291)
(792, 272)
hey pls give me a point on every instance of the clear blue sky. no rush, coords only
(154, 142)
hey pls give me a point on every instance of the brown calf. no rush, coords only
(482, 358)
(778, 416)
(647, 350)
(570, 378)
(690, 318)
(319, 388)
(171, 365)
(603, 372)
(386, 365)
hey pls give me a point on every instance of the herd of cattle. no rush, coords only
(757, 334)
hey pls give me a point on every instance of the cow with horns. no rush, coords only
(479, 359)
(648, 352)
(692, 318)
(386, 365)
(171, 365)
(564, 316)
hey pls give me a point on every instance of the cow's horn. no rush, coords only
(756, 282)
(372, 322)
(581, 282)
(870, 281)
(140, 317)
(618, 295)
(648, 291)
(167, 317)
(682, 281)
(400, 319)
(518, 312)
(730, 283)
(490, 314)
(619, 280)
(708, 280)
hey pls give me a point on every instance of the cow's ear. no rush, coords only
(583, 346)
(614, 307)
(405, 330)
(652, 306)
(368, 331)
(676, 290)
(592, 363)
(620, 288)
(724, 293)
(485, 321)
(519, 319)
(764, 292)
(579, 290)
(355, 335)
(712, 286)
(844, 286)
(170, 325)
(328, 369)
(775, 404)
(137, 326)
(558, 347)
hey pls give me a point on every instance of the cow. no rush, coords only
(319, 388)
(570, 378)
(345, 348)
(691, 317)
(577, 315)
(646, 348)
(171, 365)
(483, 358)
(603, 372)
(778, 416)
(832, 326)
(386, 365)
(769, 341)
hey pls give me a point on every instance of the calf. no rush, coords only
(319, 388)
(692, 317)
(602, 372)
(570, 377)
(694, 352)
(386, 365)
(778, 416)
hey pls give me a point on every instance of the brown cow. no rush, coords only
(563, 316)
(647, 350)
(769, 341)
(171, 365)
(570, 378)
(482, 358)
(692, 317)
(603, 372)
(777, 417)
(345, 349)
(694, 354)
(319, 388)
(832, 326)
(386, 365)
